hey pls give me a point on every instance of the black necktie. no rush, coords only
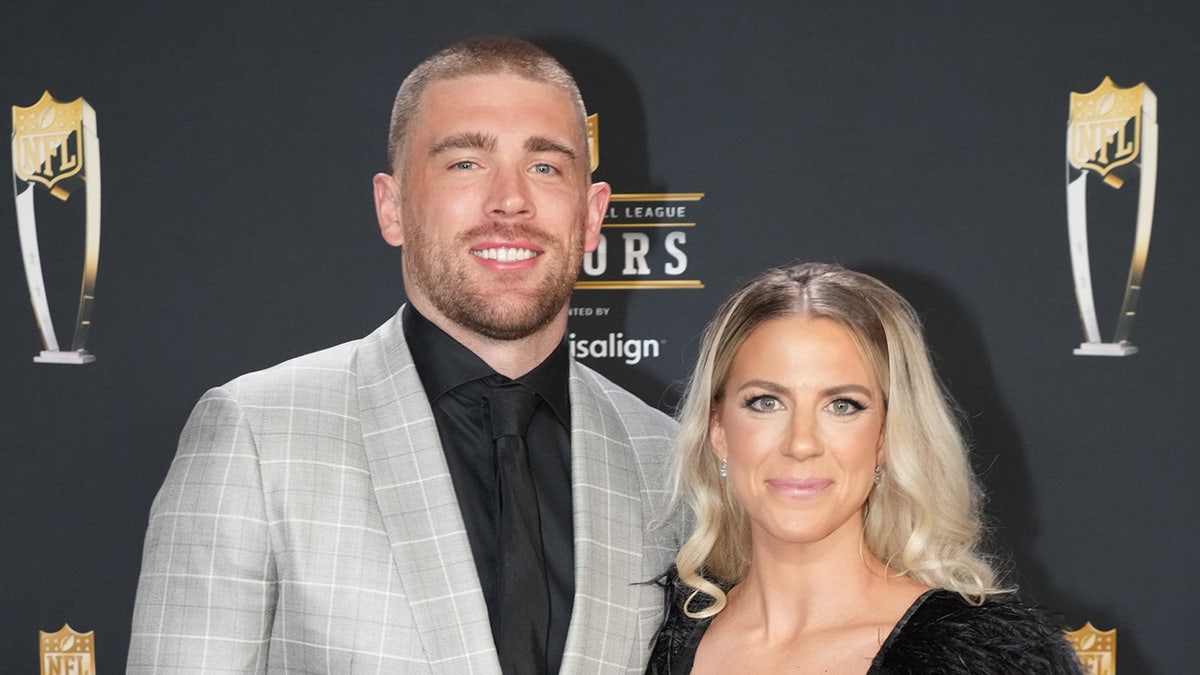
(524, 597)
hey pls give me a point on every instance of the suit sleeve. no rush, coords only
(206, 595)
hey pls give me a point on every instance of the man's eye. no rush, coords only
(464, 165)
(544, 169)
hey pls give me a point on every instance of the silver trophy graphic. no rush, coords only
(55, 146)
(1111, 131)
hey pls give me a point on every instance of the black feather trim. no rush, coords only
(942, 635)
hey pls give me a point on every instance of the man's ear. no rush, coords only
(597, 206)
(388, 209)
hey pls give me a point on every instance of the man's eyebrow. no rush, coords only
(546, 144)
(467, 141)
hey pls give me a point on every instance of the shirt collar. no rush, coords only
(443, 364)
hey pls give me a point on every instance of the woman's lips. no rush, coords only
(799, 487)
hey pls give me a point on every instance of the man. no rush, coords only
(346, 511)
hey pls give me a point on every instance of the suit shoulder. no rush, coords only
(639, 417)
(330, 368)
(265, 412)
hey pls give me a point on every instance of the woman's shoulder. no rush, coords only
(677, 638)
(943, 633)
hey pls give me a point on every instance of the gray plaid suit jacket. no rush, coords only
(309, 524)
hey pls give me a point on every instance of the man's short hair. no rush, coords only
(475, 56)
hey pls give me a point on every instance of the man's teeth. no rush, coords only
(504, 254)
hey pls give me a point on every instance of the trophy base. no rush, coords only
(73, 358)
(1105, 349)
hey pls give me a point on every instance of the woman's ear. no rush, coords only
(716, 434)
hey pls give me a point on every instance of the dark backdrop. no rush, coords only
(921, 142)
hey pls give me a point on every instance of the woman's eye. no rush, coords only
(845, 406)
(764, 403)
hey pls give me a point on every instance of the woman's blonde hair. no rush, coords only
(922, 518)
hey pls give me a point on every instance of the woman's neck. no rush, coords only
(795, 588)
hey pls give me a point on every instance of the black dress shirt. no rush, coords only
(458, 383)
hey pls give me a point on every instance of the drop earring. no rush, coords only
(724, 467)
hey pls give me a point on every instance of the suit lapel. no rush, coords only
(608, 531)
(420, 511)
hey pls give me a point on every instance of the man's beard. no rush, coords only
(456, 295)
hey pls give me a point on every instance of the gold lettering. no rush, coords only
(66, 664)
(25, 156)
(53, 665)
(1124, 147)
(69, 159)
(36, 153)
(1093, 141)
(1087, 142)
(1108, 129)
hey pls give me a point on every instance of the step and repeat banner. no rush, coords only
(192, 200)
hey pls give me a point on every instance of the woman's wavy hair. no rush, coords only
(922, 519)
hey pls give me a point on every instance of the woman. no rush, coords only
(837, 517)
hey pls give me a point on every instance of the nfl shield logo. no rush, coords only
(47, 142)
(1097, 649)
(1105, 128)
(68, 652)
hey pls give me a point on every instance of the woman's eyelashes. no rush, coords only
(765, 403)
(762, 403)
